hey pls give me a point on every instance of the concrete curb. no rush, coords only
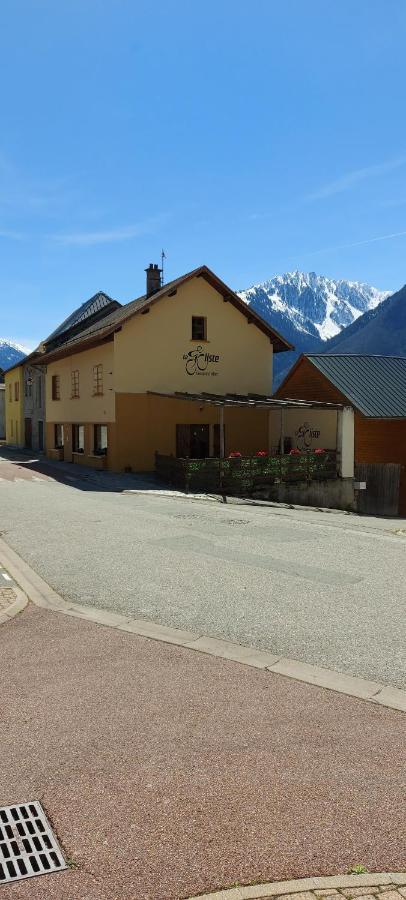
(41, 594)
(333, 882)
(16, 606)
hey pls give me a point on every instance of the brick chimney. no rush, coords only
(153, 279)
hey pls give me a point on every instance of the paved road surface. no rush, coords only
(324, 588)
(167, 773)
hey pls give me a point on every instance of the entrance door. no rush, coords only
(40, 435)
(192, 441)
(199, 441)
(28, 433)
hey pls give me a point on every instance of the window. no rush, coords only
(12, 426)
(97, 380)
(10, 393)
(58, 436)
(16, 390)
(28, 385)
(100, 440)
(199, 328)
(78, 438)
(56, 387)
(75, 383)
(39, 390)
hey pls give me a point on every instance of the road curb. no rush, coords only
(332, 882)
(16, 606)
(41, 594)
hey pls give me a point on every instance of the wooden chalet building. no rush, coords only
(375, 386)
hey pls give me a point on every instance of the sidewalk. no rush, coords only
(167, 773)
(336, 887)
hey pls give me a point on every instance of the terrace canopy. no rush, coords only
(247, 401)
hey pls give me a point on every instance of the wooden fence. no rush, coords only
(382, 493)
(241, 476)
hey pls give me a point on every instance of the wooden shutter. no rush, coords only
(183, 441)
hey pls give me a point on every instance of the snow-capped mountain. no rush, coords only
(309, 309)
(314, 304)
(10, 353)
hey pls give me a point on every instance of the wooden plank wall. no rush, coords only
(381, 497)
(307, 383)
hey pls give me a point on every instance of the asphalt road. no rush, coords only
(324, 588)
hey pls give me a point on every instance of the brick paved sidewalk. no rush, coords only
(167, 773)
(338, 887)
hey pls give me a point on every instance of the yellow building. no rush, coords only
(14, 405)
(106, 384)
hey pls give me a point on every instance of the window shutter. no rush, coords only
(183, 441)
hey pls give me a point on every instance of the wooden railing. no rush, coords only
(240, 476)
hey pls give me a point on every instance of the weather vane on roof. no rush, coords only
(163, 256)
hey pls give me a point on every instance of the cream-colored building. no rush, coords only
(106, 384)
(14, 403)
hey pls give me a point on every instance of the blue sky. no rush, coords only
(255, 137)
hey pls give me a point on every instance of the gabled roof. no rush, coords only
(102, 329)
(94, 308)
(375, 385)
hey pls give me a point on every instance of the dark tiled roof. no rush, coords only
(87, 310)
(376, 385)
(109, 323)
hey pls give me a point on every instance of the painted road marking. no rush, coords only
(7, 577)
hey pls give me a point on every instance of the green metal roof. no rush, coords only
(375, 385)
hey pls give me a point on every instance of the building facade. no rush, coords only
(25, 404)
(34, 405)
(107, 387)
(375, 386)
(2, 411)
(14, 402)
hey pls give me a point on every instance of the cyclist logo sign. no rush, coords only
(198, 362)
(305, 435)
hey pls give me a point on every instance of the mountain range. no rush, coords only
(10, 353)
(316, 314)
(380, 331)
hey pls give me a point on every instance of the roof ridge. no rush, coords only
(357, 355)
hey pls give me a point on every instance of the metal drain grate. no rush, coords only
(28, 845)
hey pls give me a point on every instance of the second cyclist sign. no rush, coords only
(198, 362)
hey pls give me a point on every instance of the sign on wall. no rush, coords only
(305, 435)
(199, 362)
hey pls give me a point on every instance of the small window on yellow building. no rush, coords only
(78, 438)
(10, 393)
(100, 440)
(75, 383)
(56, 387)
(12, 426)
(199, 328)
(16, 390)
(97, 380)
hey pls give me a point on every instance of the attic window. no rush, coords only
(199, 328)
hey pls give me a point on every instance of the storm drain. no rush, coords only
(28, 845)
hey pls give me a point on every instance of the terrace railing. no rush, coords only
(241, 476)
